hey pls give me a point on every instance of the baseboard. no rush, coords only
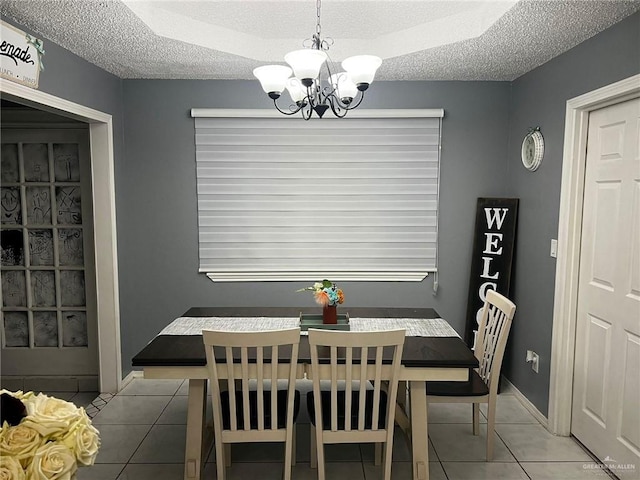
(51, 383)
(526, 403)
(130, 377)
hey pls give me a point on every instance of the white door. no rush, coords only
(606, 395)
(48, 324)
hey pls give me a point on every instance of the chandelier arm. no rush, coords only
(306, 112)
(353, 105)
(290, 112)
(339, 111)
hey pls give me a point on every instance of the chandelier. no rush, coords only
(340, 91)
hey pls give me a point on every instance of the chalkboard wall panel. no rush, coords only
(36, 162)
(43, 288)
(38, 205)
(41, 247)
(73, 295)
(9, 170)
(12, 247)
(16, 329)
(45, 329)
(70, 250)
(14, 289)
(74, 329)
(11, 212)
(66, 162)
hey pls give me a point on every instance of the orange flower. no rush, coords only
(322, 298)
(340, 296)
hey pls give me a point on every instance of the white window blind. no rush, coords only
(281, 198)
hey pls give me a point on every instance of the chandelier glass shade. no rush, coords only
(314, 89)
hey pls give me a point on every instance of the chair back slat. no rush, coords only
(274, 387)
(260, 385)
(231, 386)
(348, 384)
(364, 355)
(334, 390)
(244, 382)
(377, 385)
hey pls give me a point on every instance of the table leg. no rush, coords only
(196, 430)
(419, 433)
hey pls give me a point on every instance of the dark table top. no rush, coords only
(188, 350)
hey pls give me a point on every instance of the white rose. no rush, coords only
(51, 417)
(19, 442)
(10, 469)
(83, 440)
(52, 461)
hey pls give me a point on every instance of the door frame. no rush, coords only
(569, 238)
(104, 219)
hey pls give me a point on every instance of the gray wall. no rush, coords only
(539, 99)
(158, 243)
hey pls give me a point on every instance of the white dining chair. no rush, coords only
(482, 387)
(361, 411)
(263, 414)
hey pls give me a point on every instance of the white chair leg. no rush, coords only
(476, 418)
(220, 459)
(491, 424)
(313, 454)
(289, 454)
(320, 454)
(386, 462)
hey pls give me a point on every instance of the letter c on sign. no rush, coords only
(483, 296)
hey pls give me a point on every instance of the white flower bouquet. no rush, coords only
(44, 438)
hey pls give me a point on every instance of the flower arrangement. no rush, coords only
(44, 438)
(325, 293)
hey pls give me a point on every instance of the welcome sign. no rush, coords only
(20, 56)
(492, 258)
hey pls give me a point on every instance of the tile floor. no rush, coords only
(143, 435)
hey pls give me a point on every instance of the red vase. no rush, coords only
(330, 314)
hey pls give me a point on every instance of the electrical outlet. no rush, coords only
(534, 359)
(554, 248)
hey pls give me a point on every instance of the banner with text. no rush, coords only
(20, 56)
(492, 256)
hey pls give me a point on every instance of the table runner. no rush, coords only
(415, 327)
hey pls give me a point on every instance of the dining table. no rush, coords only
(433, 351)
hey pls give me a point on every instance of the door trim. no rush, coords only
(104, 218)
(569, 237)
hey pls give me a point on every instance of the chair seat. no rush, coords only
(475, 387)
(253, 408)
(325, 399)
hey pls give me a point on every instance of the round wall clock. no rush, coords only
(532, 149)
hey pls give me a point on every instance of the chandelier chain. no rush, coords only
(318, 18)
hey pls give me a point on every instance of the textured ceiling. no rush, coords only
(227, 39)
